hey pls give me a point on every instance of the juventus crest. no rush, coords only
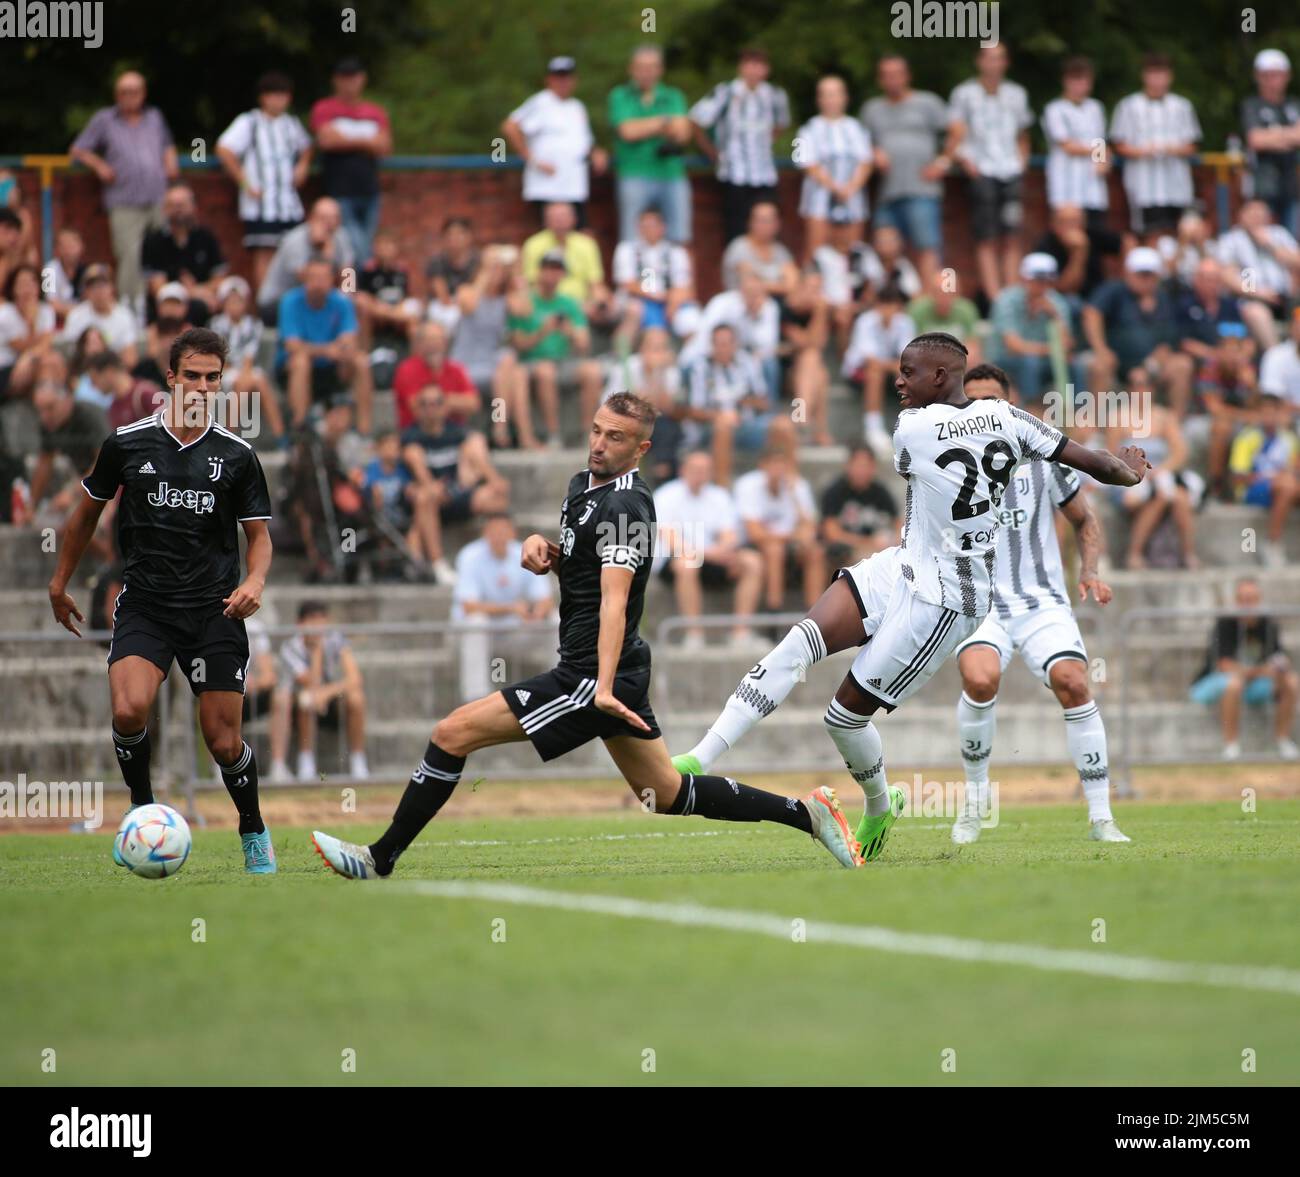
(214, 468)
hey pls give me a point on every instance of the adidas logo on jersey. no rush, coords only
(873, 682)
(523, 697)
(147, 468)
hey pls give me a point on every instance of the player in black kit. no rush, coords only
(601, 687)
(185, 483)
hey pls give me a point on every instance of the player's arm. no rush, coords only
(1127, 468)
(247, 598)
(77, 534)
(1087, 532)
(540, 555)
(615, 584)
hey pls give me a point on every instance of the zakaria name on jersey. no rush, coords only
(958, 462)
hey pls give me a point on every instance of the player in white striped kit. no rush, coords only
(1031, 616)
(910, 606)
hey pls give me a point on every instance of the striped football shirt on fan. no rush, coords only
(840, 146)
(267, 149)
(1071, 179)
(743, 122)
(1162, 181)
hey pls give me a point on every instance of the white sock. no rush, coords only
(1086, 736)
(976, 725)
(763, 690)
(359, 766)
(864, 755)
(873, 422)
(306, 764)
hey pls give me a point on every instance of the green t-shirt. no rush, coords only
(554, 345)
(963, 317)
(641, 158)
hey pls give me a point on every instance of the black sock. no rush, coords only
(133, 756)
(722, 799)
(241, 784)
(433, 781)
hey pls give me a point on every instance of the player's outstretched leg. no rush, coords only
(977, 724)
(860, 746)
(133, 683)
(220, 717)
(1085, 735)
(650, 774)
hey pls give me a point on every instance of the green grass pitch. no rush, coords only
(300, 969)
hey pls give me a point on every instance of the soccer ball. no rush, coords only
(154, 841)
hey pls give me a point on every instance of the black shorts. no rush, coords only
(211, 648)
(712, 575)
(1157, 218)
(557, 713)
(996, 207)
(326, 384)
(458, 506)
(266, 234)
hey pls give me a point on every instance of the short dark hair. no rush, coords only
(274, 82)
(628, 404)
(464, 222)
(939, 341)
(753, 53)
(1156, 61)
(12, 281)
(197, 341)
(101, 361)
(310, 608)
(10, 218)
(861, 447)
(1077, 66)
(989, 372)
(891, 292)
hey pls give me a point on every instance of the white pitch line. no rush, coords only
(1060, 960)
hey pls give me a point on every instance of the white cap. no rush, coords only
(233, 282)
(1038, 265)
(172, 290)
(1143, 260)
(1268, 59)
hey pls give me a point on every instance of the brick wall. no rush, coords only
(416, 202)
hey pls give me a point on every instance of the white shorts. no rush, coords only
(912, 640)
(872, 580)
(1041, 637)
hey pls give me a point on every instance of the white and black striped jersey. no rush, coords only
(1161, 181)
(1029, 574)
(1260, 266)
(243, 338)
(176, 522)
(656, 268)
(610, 525)
(1072, 179)
(267, 149)
(993, 124)
(742, 121)
(840, 146)
(958, 461)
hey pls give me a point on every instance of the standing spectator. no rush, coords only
(652, 373)
(651, 131)
(181, 250)
(1265, 472)
(905, 125)
(859, 516)
(1079, 250)
(991, 117)
(1024, 318)
(27, 324)
(1279, 370)
(66, 270)
(943, 309)
(551, 133)
(129, 147)
(759, 251)
(1271, 120)
(318, 354)
(353, 136)
(584, 273)
(321, 235)
(698, 546)
(745, 116)
(879, 336)
(1261, 264)
(242, 331)
(1246, 663)
(834, 152)
(267, 152)
(776, 508)
(101, 309)
(652, 279)
(498, 603)
(1074, 126)
(1155, 132)
(454, 265)
(429, 366)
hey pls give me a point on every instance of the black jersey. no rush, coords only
(177, 521)
(609, 525)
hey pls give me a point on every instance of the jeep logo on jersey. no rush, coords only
(214, 468)
(201, 502)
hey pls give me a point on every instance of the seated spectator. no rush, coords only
(408, 508)
(71, 434)
(885, 264)
(500, 603)
(247, 382)
(775, 506)
(879, 336)
(651, 372)
(455, 463)
(1266, 472)
(728, 405)
(842, 263)
(89, 344)
(753, 315)
(552, 341)
(805, 331)
(101, 309)
(859, 516)
(16, 245)
(66, 269)
(943, 309)
(1192, 245)
(1260, 262)
(1169, 488)
(320, 235)
(584, 273)
(456, 264)
(318, 354)
(429, 366)
(386, 311)
(1134, 323)
(1279, 369)
(1024, 318)
(699, 546)
(186, 252)
(1224, 401)
(129, 398)
(1203, 310)
(759, 251)
(1246, 663)
(173, 304)
(835, 157)
(319, 673)
(652, 280)
(27, 324)
(1080, 251)
(267, 152)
